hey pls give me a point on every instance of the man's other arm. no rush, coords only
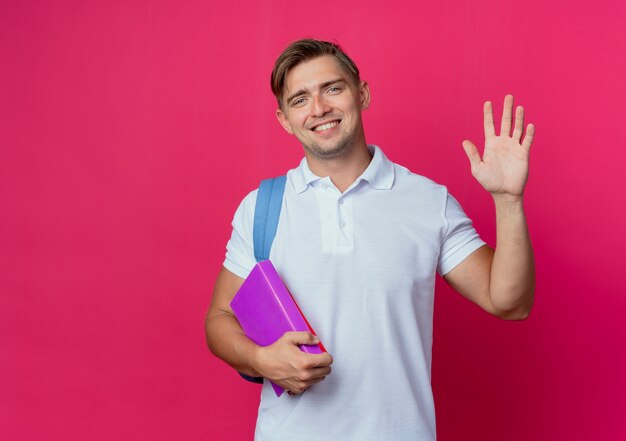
(502, 281)
(282, 362)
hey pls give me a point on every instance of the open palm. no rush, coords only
(503, 168)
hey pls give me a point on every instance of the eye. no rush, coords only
(297, 102)
(334, 89)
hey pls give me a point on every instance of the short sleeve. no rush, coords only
(240, 248)
(460, 239)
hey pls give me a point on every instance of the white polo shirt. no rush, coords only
(361, 266)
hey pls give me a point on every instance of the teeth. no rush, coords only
(327, 126)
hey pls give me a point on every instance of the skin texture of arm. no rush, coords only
(502, 282)
(282, 362)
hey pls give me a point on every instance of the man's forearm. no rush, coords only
(227, 341)
(513, 269)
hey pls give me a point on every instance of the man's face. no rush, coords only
(321, 106)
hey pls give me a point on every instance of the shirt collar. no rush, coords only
(379, 173)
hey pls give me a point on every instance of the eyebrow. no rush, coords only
(324, 85)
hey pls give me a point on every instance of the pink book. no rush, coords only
(266, 310)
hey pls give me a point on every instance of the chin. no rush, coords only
(332, 152)
(338, 149)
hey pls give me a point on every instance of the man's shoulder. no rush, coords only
(411, 181)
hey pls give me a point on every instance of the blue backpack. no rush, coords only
(266, 215)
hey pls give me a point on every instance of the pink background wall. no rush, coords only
(130, 130)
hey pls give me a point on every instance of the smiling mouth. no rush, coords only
(326, 126)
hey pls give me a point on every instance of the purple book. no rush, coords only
(266, 310)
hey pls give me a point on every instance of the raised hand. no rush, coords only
(503, 168)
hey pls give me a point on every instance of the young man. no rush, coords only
(359, 243)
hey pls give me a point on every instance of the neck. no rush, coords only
(343, 171)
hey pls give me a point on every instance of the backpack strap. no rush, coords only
(266, 215)
(269, 201)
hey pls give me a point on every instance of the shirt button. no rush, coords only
(343, 224)
(341, 202)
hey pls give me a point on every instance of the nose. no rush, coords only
(319, 106)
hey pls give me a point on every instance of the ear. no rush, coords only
(364, 92)
(282, 119)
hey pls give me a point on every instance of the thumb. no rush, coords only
(472, 153)
(301, 338)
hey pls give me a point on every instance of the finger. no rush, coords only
(519, 123)
(324, 359)
(318, 372)
(488, 119)
(312, 361)
(317, 380)
(507, 113)
(528, 138)
(301, 338)
(472, 153)
(321, 372)
(297, 390)
(299, 387)
(309, 377)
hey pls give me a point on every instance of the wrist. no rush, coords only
(507, 199)
(508, 205)
(255, 360)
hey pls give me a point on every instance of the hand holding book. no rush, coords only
(287, 366)
(290, 354)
